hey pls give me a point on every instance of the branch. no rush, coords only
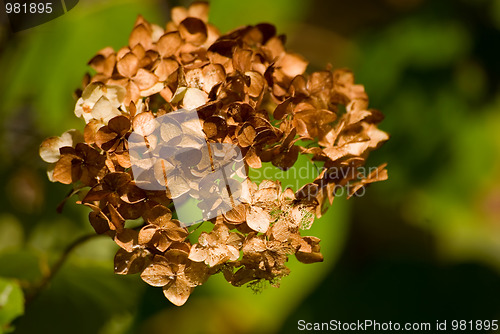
(56, 267)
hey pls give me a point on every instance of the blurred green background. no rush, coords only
(422, 246)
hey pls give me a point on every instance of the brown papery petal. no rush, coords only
(308, 258)
(178, 14)
(139, 51)
(158, 273)
(176, 234)
(268, 191)
(168, 44)
(319, 81)
(126, 239)
(354, 149)
(115, 182)
(166, 93)
(196, 273)
(145, 79)
(298, 86)
(292, 64)
(215, 127)
(213, 74)
(140, 34)
(128, 65)
(144, 124)
(213, 34)
(118, 220)
(280, 231)
(103, 63)
(283, 108)
(129, 263)
(122, 52)
(236, 214)
(199, 9)
(178, 292)
(380, 174)
(193, 30)
(120, 125)
(198, 253)
(105, 138)
(274, 48)
(376, 135)
(242, 60)
(254, 244)
(99, 223)
(252, 159)
(257, 83)
(146, 234)
(165, 68)
(177, 254)
(49, 149)
(63, 170)
(123, 160)
(133, 92)
(246, 135)
(159, 215)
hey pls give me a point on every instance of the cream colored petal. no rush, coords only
(93, 92)
(258, 219)
(50, 173)
(194, 98)
(156, 88)
(49, 149)
(115, 94)
(234, 253)
(157, 32)
(104, 111)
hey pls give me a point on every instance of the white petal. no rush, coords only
(104, 111)
(194, 98)
(92, 93)
(115, 94)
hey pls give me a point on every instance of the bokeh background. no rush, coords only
(422, 246)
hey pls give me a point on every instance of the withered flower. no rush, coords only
(176, 274)
(217, 247)
(132, 257)
(183, 105)
(161, 230)
(50, 148)
(100, 102)
(82, 163)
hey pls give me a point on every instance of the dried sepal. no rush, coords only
(128, 263)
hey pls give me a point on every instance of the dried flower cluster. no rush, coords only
(249, 91)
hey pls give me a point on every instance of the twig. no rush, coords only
(56, 267)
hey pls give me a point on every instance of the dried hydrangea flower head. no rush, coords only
(248, 91)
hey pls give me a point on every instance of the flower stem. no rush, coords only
(42, 285)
